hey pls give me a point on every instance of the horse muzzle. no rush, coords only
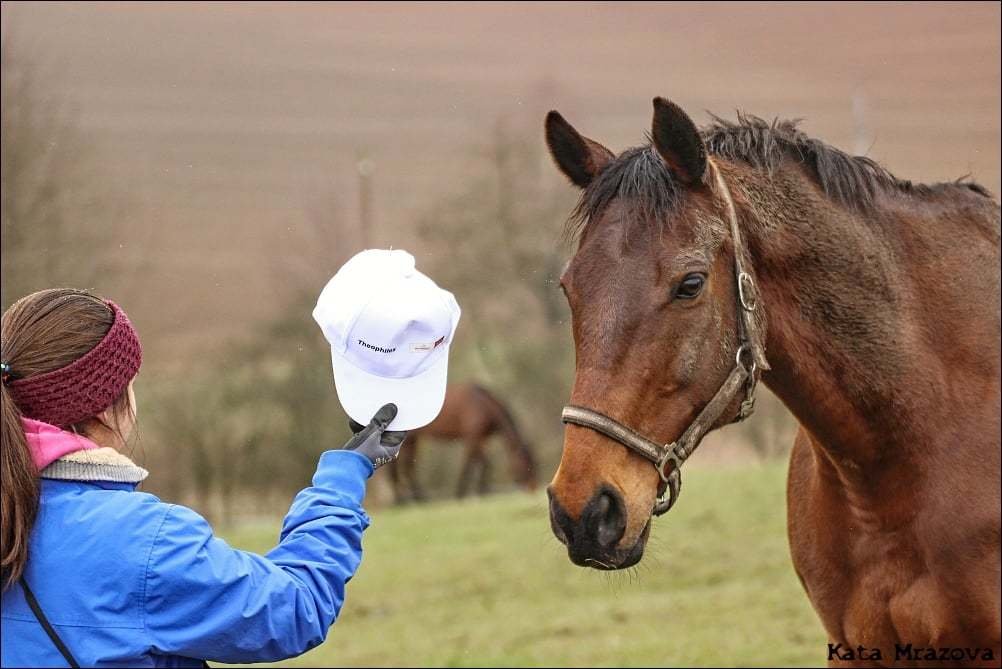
(594, 538)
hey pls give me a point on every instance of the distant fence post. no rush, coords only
(365, 167)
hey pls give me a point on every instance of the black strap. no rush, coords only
(37, 610)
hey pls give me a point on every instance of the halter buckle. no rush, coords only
(667, 500)
(747, 409)
(748, 403)
(743, 349)
(747, 291)
(669, 456)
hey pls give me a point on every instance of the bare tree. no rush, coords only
(495, 242)
(248, 426)
(55, 213)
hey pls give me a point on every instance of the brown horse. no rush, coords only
(471, 414)
(877, 302)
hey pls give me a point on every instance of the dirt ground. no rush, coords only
(224, 125)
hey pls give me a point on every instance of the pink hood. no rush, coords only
(48, 443)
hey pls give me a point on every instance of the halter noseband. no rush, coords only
(749, 358)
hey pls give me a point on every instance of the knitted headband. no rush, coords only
(85, 387)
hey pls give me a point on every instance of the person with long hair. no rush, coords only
(95, 573)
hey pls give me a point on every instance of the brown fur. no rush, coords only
(881, 307)
(470, 415)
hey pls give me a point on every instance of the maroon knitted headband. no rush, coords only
(87, 386)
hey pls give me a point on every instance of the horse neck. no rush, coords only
(850, 337)
(512, 437)
(505, 424)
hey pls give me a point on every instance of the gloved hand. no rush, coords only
(373, 441)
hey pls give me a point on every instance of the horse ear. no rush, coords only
(577, 157)
(677, 140)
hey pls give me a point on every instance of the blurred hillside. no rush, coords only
(215, 161)
(223, 123)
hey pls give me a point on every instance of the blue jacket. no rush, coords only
(127, 580)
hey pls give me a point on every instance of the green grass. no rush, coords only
(484, 583)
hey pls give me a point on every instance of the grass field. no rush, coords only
(483, 582)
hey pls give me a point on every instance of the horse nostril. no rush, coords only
(600, 527)
(610, 519)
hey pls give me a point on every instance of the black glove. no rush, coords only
(373, 441)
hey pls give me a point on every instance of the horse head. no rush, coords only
(652, 293)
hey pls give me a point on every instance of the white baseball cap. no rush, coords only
(389, 327)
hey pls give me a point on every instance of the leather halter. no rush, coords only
(749, 358)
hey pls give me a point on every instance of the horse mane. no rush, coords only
(640, 176)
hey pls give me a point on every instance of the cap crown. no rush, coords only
(382, 315)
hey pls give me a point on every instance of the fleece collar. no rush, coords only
(98, 464)
(60, 454)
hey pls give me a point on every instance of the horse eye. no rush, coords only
(690, 287)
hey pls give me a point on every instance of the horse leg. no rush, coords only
(398, 493)
(485, 473)
(398, 470)
(409, 467)
(472, 450)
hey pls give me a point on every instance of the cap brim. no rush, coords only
(419, 398)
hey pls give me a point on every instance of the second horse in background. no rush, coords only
(471, 415)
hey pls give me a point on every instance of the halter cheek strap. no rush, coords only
(748, 298)
(748, 359)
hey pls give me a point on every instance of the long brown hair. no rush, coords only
(40, 333)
